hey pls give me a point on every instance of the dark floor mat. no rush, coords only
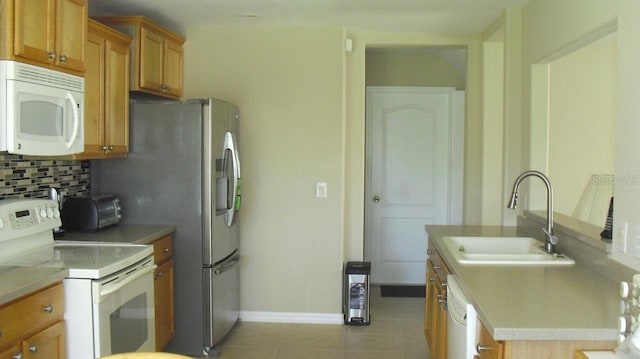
(403, 290)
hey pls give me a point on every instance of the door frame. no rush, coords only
(456, 157)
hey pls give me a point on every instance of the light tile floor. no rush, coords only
(396, 332)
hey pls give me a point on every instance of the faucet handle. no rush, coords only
(553, 239)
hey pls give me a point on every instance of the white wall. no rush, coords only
(549, 27)
(288, 84)
(581, 122)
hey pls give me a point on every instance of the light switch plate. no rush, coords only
(321, 189)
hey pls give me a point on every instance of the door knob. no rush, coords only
(376, 199)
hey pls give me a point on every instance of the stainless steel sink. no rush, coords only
(502, 251)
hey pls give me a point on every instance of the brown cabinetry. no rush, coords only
(163, 287)
(106, 115)
(49, 33)
(33, 327)
(156, 56)
(436, 305)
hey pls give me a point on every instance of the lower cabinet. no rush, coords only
(163, 287)
(436, 306)
(32, 326)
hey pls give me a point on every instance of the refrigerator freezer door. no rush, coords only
(221, 299)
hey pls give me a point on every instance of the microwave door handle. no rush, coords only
(76, 120)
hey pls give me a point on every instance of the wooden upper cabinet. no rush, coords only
(172, 75)
(71, 33)
(50, 33)
(106, 98)
(156, 55)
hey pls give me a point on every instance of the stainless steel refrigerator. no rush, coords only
(183, 168)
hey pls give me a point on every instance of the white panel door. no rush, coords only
(408, 178)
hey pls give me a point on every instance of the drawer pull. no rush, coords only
(33, 348)
(166, 250)
(48, 308)
(17, 356)
(482, 348)
(158, 275)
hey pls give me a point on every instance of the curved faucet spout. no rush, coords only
(551, 239)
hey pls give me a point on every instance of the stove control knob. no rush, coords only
(49, 213)
(43, 213)
(56, 213)
(1, 225)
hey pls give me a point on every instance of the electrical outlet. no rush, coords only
(620, 241)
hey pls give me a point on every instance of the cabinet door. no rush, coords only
(71, 33)
(34, 30)
(172, 75)
(94, 95)
(46, 344)
(489, 348)
(430, 304)
(151, 48)
(117, 99)
(163, 287)
(10, 353)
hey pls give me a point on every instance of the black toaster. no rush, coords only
(90, 213)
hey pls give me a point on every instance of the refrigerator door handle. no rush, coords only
(227, 265)
(234, 206)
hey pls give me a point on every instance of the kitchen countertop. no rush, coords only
(18, 281)
(534, 302)
(122, 233)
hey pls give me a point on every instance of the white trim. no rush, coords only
(285, 317)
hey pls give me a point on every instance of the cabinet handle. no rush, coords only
(431, 279)
(437, 267)
(111, 147)
(164, 88)
(17, 356)
(48, 308)
(166, 250)
(63, 58)
(482, 348)
(158, 275)
(52, 55)
(103, 148)
(429, 251)
(33, 348)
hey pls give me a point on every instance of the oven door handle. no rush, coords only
(119, 284)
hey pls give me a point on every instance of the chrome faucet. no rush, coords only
(551, 239)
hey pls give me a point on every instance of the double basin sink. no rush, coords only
(501, 251)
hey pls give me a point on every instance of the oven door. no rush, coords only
(123, 309)
(43, 120)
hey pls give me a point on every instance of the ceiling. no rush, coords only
(431, 16)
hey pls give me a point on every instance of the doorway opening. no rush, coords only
(414, 155)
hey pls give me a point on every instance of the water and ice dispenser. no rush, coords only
(355, 293)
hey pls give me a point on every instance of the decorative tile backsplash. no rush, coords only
(23, 177)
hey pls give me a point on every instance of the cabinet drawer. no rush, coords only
(163, 249)
(31, 313)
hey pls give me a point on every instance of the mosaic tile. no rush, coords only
(20, 177)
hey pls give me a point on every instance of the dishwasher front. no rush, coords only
(461, 322)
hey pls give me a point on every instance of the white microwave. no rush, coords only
(41, 110)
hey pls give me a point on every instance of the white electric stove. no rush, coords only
(109, 304)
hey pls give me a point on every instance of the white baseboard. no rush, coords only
(284, 317)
